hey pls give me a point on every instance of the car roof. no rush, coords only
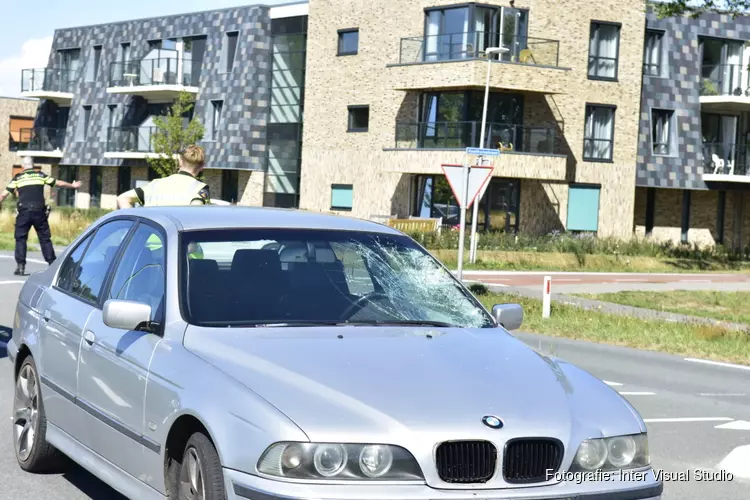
(190, 218)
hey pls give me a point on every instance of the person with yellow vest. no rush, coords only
(182, 188)
(32, 210)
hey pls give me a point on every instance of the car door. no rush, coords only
(66, 308)
(114, 363)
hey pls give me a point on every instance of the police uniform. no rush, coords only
(177, 189)
(32, 211)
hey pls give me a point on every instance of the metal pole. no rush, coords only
(462, 224)
(475, 213)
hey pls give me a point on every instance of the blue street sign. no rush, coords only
(482, 152)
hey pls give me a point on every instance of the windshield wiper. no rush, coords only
(310, 323)
(409, 322)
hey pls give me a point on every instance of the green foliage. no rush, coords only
(172, 135)
(479, 289)
(695, 8)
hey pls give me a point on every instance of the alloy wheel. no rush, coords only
(25, 412)
(192, 486)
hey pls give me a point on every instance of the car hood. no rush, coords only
(370, 383)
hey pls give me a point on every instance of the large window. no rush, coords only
(66, 196)
(604, 48)
(95, 187)
(599, 133)
(583, 207)
(230, 185)
(652, 57)
(311, 277)
(661, 131)
(721, 67)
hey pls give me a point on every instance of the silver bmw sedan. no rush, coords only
(246, 353)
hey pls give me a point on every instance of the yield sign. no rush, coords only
(456, 176)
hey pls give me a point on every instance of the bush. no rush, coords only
(479, 289)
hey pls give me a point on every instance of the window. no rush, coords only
(652, 53)
(66, 196)
(661, 131)
(604, 47)
(86, 121)
(230, 185)
(348, 42)
(215, 121)
(230, 49)
(95, 187)
(86, 279)
(598, 137)
(721, 66)
(111, 116)
(720, 211)
(359, 118)
(685, 219)
(140, 274)
(650, 210)
(123, 179)
(583, 207)
(97, 60)
(125, 52)
(341, 196)
(67, 274)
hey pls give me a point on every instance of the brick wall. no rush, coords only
(23, 108)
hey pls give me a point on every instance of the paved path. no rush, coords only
(696, 413)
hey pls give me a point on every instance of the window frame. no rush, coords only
(593, 25)
(671, 133)
(340, 42)
(613, 108)
(350, 187)
(354, 108)
(226, 68)
(659, 51)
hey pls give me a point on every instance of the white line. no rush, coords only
(10, 282)
(717, 363)
(737, 462)
(35, 261)
(627, 393)
(614, 384)
(737, 425)
(689, 419)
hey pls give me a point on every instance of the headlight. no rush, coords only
(354, 462)
(614, 453)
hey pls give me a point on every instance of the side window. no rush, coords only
(92, 272)
(357, 276)
(140, 274)
(66, 276)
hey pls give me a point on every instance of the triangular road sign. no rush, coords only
(479, 176)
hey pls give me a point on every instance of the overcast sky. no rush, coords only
(26, 36)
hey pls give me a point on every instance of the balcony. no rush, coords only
(154, 79)
(42, 142)
(130, 143)
(458, 60)
(48, 83)
(525, 151)
(722, 87)
(726, 163)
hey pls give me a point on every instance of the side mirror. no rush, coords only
(126, 314)
(509, 316)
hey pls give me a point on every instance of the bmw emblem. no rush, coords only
(492, 422)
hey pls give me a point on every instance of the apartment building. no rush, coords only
(16, 120)
(352, 107)
(692, 175)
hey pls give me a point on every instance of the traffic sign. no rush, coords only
(465, 193)
(482, 152)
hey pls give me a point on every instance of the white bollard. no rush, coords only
(546, 296)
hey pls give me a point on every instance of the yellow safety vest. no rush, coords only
(177, 189)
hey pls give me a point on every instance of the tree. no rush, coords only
(694, 8)
(171, 135)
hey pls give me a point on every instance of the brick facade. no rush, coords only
(11, 107)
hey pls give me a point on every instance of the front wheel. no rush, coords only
(200, 474)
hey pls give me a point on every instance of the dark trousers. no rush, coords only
(37, 217)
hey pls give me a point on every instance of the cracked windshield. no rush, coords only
(312, 277)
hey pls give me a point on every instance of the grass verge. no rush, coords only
(726, 306)
(692, 340)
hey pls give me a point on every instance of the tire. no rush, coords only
(33, 452)
(200, 451)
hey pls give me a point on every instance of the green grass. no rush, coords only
(726, 306)
(693, 340)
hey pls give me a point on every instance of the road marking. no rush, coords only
(688, 419)
(717, 363)
(35, 261)
(627, 393)
(10, 282)
(613, 384)
(738, 462)
(738, 425)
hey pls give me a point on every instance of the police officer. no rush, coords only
(182, 188)
(32, 210)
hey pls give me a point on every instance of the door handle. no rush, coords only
(89, 337)
(46, 315)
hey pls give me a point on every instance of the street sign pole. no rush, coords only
(475, 209)
(462, 224)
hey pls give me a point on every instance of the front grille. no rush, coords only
(466, 461)
(529, 460)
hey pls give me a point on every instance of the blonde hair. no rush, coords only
(193, 157)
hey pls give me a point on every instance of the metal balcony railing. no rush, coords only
(459, 135)
(47, 79)
(722, 79)
(726, 158)
(472, 45)
(41, 139)
(156, 71)
(130, 139)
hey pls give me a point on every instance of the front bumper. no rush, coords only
(241, 486)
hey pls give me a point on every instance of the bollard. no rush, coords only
(546, 296)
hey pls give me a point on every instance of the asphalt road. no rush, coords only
(687, 405)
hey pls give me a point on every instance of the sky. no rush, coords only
(26, 37)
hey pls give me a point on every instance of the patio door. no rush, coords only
(514, 27)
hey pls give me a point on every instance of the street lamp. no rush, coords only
(475, 214)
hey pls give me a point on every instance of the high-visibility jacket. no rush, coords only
(177, 189)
